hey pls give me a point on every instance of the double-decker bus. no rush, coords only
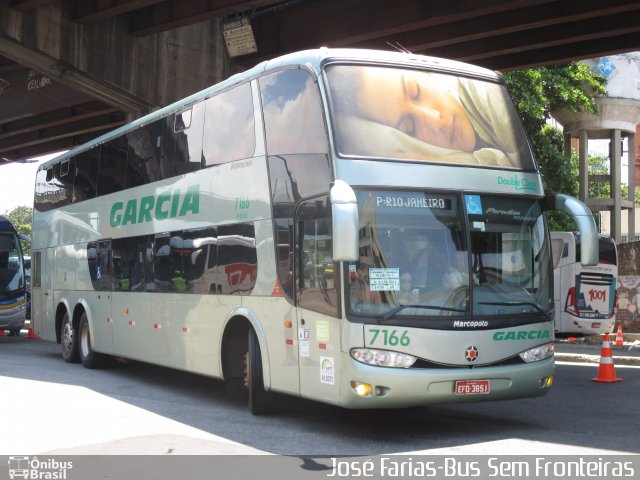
(356, 227)
(13, 287)
(585, 296)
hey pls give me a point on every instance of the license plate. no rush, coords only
(472, 387)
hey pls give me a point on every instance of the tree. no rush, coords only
(536, 93)
(21, 219)
(559, 172)
(21, 215)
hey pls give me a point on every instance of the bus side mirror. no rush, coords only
(24, 237)
(586, 225)
(344, 220)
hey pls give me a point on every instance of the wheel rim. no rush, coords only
(67, 337)
(85, 341)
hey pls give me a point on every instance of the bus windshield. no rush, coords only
(408, 114)
(11, 266)
(434, 254)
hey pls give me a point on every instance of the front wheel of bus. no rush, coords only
(260, 401)
(88, 357)
(69, 341)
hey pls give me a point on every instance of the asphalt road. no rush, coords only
(49, 406)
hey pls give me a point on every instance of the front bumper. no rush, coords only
(13, 319)
(586, 325)
(412, 387)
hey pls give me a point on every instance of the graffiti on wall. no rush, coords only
(628, 313)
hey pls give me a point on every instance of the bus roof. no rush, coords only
(6, 224)
(312, 59)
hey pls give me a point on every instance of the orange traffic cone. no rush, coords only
(31, 335)
(606, 370)
(619, 339)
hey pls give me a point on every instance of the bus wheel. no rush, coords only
(88, 357)
(69, 341)
(260, 401)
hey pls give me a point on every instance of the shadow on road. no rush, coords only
(576, 412)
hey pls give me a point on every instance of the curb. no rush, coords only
(595, 359)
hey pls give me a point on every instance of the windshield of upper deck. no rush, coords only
(406, 114)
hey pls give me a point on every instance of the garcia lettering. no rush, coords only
(521, 335)
(167, 204)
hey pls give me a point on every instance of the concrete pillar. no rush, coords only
(616, 190)
(617, 117)
(631, 222)
(583, 171)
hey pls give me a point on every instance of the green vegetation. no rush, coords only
(536, 93)
(21, 219)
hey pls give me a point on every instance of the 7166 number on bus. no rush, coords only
(390, 337)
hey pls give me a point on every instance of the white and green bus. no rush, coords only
(356, 227)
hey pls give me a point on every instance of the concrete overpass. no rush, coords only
(72, 69)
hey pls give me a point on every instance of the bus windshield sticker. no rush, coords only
(474, 204)
(384, 279)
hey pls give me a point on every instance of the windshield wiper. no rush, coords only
(518, 304)
(395, 310)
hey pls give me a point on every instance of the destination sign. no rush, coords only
(413, 201)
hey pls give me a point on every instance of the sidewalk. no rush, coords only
(588, 349)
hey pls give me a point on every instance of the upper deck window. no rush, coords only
(292, 113)
(405, 114)
(229, 126)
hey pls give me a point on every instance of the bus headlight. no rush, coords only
(382, 358)
(538, 353)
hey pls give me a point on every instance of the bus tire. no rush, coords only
(69, 340)
(260, 401)
(88, 357)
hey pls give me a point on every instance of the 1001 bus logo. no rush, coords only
(34, 469)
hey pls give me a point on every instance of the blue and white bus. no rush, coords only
(13, 288)
(356, 227)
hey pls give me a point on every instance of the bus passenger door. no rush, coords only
(101, 265)
(42, 312)
(317, 302)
